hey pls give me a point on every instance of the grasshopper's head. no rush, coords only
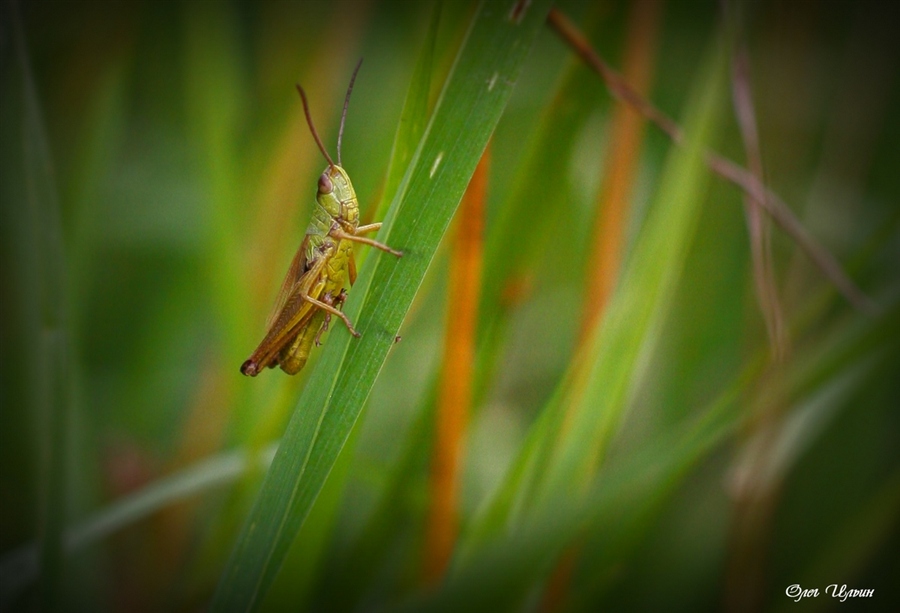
(336, 195)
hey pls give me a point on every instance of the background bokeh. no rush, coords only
(178, 178)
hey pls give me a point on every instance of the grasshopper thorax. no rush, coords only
(337, 197)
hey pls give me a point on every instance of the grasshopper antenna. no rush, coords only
(312, 128)
(344, 113)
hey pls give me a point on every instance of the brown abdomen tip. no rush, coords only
(249, 368)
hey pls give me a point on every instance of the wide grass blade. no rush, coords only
(635, 312)
(470, 105)
(500, 573)
(596, 407)
(413, 117)
(305, 557)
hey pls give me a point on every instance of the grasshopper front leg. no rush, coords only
(339, 234)
(371, 227)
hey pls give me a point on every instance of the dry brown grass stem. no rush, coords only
(761, 196)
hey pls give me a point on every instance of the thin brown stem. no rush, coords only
(757, 224)
(761, 196)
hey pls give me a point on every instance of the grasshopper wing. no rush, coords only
(293, 312)
(299, 266)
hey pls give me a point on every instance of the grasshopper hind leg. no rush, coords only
(335, 302)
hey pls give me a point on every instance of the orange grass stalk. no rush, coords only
(455, 393)
(613, 204)
(627, 131)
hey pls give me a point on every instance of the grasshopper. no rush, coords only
(313, 289)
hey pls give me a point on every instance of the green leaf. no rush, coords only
(632, 318)
(644, 293)
(501, 572)
(413, 117)
(624, 498)
(468, 109)
(303, 560)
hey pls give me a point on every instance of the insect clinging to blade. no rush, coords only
(313, 289)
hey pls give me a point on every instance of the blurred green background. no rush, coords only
(157, 175)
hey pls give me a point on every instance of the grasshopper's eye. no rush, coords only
(325, 185)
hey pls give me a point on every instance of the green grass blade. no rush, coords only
(49, 326)
(18, 569)
(356, 567)
(509, 501)
(302, 564)
(294, 580)
(644, 292)
(518, 241)
(470, 105)
(817, 387)
(518, 236)
(621, 503)
(660, 248)
(500, 573)
(413, 117)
